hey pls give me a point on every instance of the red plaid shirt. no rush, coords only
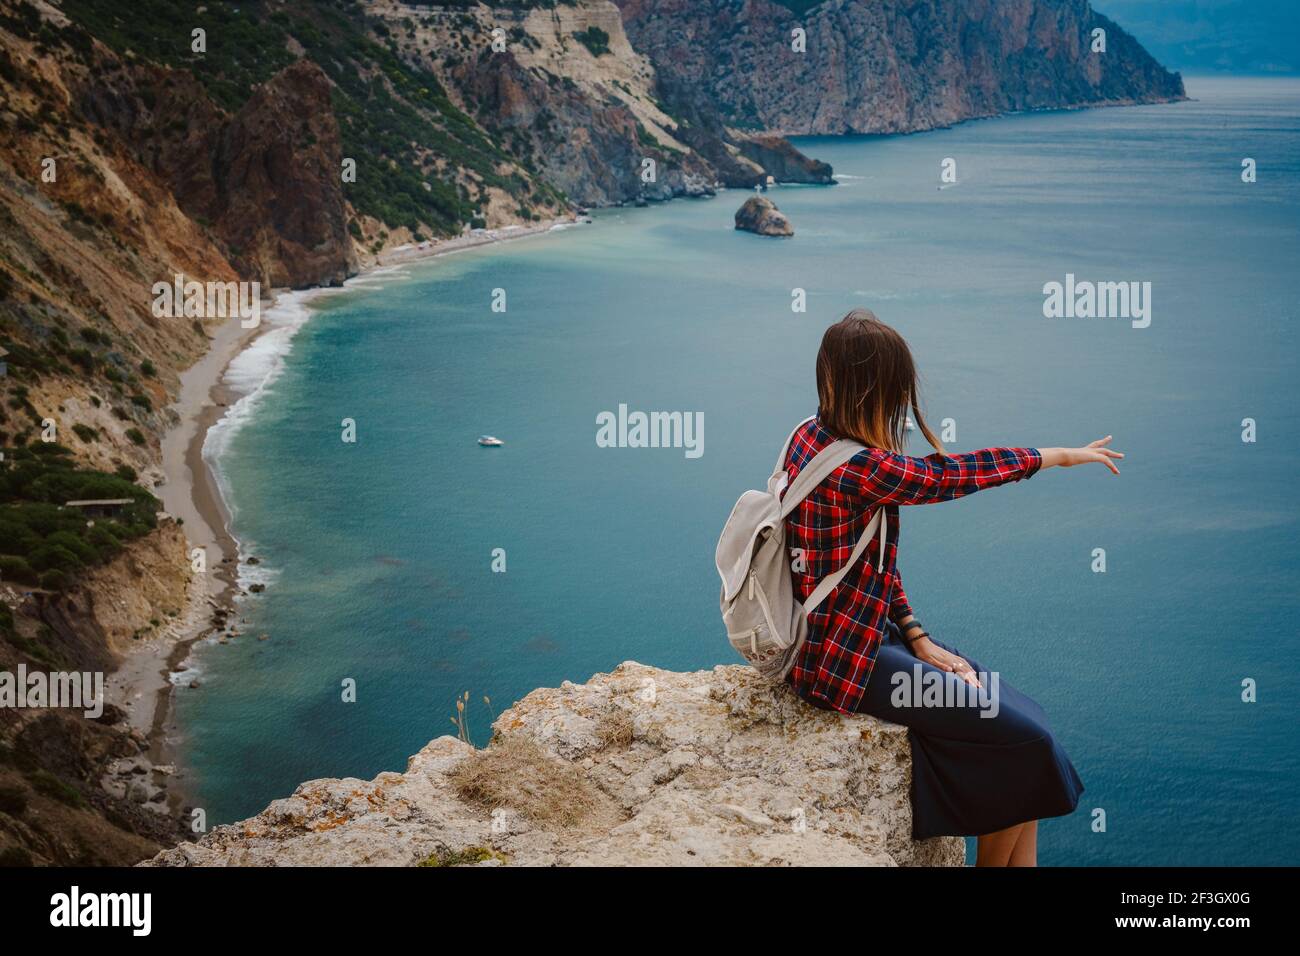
(844, 633)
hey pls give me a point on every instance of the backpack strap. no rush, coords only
(785, 449)
(822, 466)
(829, 583)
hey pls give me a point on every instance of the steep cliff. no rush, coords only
(103, 162)
(73, 790)
(265, 180)
(275, 99)
(888, 66)
(279, 204)
(569, 97)
(637, 767)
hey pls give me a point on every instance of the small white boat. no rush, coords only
(488, 441)
(909, 424)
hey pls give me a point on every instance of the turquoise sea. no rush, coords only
(378, 554)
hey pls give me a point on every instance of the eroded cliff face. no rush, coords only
(591, 149)
(584, 113)
(139, 595)
(889, 66)
(76, 790)
(573, 99)
(581, 115)
(116, 174)
(266, 182)
(280, 205)
(637, 767)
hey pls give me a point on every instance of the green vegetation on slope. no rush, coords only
(91, 355)
(388, 111)
(43, 542)
(594, 39)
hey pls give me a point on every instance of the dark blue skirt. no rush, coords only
(971, 774)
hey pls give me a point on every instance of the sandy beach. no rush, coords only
(143, 685)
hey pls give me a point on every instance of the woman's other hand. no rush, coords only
(1094, 451)
(930, 652)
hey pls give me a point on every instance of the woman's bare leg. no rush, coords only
(994, 849)
(1025, 852)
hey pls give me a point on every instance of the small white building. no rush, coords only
(100, 507)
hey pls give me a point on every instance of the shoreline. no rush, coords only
(144, 681)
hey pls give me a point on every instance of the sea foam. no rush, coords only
(251, 376)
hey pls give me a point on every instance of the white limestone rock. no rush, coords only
(708, 768)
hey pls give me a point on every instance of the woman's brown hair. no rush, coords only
(866, 381)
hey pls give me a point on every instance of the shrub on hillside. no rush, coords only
(42, 540)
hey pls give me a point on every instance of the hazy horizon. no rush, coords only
(1214, 37)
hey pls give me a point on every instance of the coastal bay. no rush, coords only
(377, 556)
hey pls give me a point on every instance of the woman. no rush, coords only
(984, 762)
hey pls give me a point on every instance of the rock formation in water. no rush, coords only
(637, 767)
(888, 66)
(760, 215)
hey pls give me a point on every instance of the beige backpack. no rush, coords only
(764, 623)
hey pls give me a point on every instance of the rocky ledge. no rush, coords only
(637, 767)
(760, 215)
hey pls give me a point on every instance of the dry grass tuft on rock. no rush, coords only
(517, 773)
(616, 730)
(470, 856)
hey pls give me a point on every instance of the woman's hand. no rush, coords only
(930, 652)
(1094, 451)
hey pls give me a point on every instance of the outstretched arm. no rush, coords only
(901, 609)
(881, 477)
